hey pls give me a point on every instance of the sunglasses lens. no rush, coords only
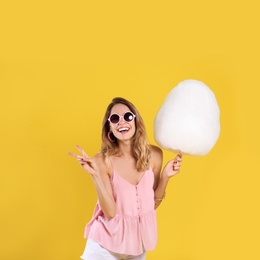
(114, 119)
(128, 117)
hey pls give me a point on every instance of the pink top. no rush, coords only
(134, 228)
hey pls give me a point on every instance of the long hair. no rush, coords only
(141, 147)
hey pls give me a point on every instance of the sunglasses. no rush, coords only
(127, 117)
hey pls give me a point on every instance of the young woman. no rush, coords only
(129, 184)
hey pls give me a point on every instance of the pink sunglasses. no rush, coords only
(127, 117)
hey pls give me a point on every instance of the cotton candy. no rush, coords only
(189, 119)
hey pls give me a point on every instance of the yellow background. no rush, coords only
(61, 62)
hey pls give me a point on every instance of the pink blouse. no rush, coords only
(134, 228)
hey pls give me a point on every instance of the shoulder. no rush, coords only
(156, 157)
(103, 163)
(156, 152)
(99, 157)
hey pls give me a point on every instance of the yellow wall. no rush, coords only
(61, 62)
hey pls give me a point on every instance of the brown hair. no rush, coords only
(141, 147)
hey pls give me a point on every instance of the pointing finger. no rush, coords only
(73, 154)
(82, 151)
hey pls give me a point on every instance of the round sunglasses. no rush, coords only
(127, 117)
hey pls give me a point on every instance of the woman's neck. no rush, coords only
(125, 149)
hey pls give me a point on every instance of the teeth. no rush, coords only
(123, 129)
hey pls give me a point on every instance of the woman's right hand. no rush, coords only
(85, 161)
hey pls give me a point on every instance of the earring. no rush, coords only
(111, 137)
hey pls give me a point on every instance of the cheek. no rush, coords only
(113, 129)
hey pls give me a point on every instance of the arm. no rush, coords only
(161, 181)
(103, 188)
(98, 170)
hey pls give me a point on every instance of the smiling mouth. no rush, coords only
(123, 129)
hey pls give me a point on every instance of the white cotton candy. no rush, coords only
(188, 120)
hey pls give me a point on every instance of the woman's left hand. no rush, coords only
(173, 166)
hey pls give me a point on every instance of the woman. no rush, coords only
(129, 184)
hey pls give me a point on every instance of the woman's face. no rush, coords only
(122, 130)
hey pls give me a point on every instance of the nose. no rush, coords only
(121, 119)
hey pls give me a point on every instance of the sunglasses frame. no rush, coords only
(122, 117)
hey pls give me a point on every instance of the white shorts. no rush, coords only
(93, 251)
